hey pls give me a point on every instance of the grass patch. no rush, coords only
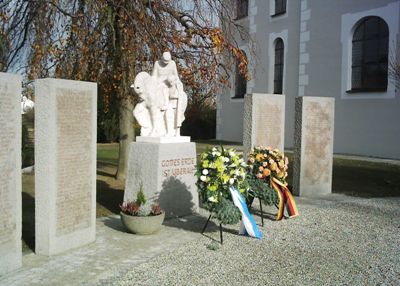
(108, 153)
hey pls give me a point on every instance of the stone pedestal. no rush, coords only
(65, 167)
(264, 121)
(167, 173)
(10, 173)
(313, 150)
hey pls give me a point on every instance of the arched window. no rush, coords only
(242, 9)
(278, 66)
(369, 69)
(240, 81)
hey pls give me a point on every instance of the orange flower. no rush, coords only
(266, 172)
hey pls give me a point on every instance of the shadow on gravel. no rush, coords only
(192, 223)
(114, 223)
(196, 222)
(267, 214)
(214, 231)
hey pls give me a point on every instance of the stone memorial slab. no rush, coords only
(264, 121)
(65, 167)
(167, 174)
(10, 173)
(313, 150)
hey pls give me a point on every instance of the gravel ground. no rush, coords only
(336, 240)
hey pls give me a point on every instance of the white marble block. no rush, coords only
(167, 173)
(264, 121)
(10, 173)
(65, 164)
(313, 149)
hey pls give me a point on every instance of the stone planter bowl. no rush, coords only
(142, 224)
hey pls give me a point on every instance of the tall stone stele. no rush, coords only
(10, 173)
(313, 146)
(161, 161)
(65, 164)
(264, 121)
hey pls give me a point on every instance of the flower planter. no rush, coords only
(142, 224)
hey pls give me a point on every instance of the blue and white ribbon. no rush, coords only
(248, 225)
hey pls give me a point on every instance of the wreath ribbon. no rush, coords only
(285, 199)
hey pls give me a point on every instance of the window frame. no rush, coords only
(282, 11)
(240, 83)
(366, 59)
(281, 65)
(242, 9)
(348, 22)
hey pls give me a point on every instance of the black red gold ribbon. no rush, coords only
(285, 199)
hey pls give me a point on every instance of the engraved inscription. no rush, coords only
(268, 124)
(318, 124)
(178, 167)
(74, 159)
(7, 163)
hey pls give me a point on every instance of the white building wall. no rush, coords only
(365, 123)
(315, 34)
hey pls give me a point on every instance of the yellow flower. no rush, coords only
(213, 188)
(259, 157)
(273, 166)
(219, 164)
(205, 164)
(280, 175)
(281, 164)
(225, 178)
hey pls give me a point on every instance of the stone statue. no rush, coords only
(161, 111)
(26, 104)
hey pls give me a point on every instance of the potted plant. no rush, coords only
(142, 216)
